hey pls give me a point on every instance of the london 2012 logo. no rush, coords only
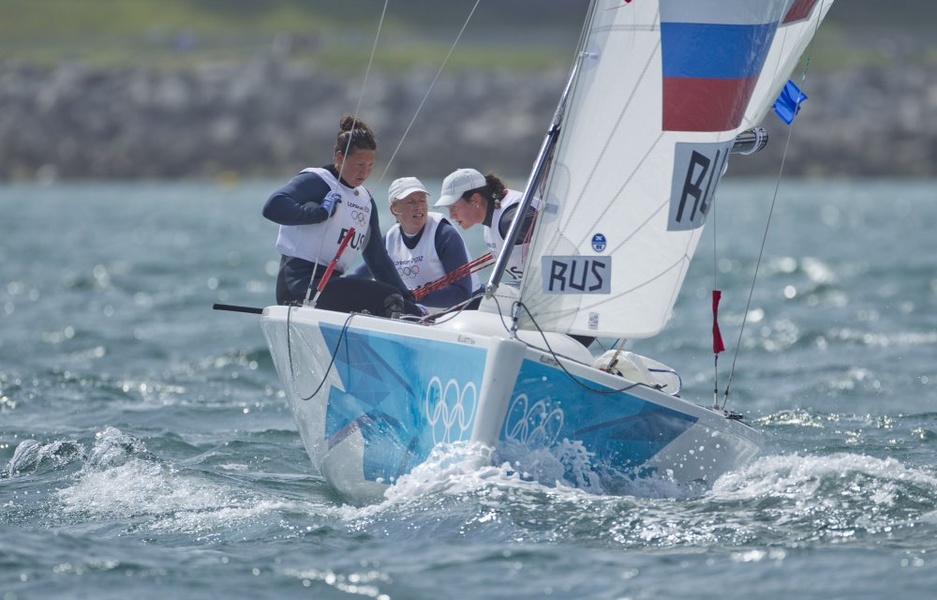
(409, 271)
(450, 409)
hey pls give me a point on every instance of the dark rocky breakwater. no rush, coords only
(270, 118)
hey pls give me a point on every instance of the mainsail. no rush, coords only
(662, 89)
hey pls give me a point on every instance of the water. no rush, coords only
(146, 450)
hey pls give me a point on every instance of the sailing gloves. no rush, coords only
(327, 207)
(330, 201)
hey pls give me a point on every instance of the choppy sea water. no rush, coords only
(146, 450)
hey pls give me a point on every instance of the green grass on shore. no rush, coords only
(171, 33)
(340, 35)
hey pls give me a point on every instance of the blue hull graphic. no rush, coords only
(404, 402)
(620, 430)
(399, 402)
(392, 391)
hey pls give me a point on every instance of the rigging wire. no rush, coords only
(715, 286)
(357, 111)
(367, 72)
(764, 239)
(364, 85)
(430, 89)
(419, 108)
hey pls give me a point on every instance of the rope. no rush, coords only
(289, 355)
(456, 274)
(364, 85)
(429, 90)
(764, 239)
(715, 287)
(367, 72)
(572, 377)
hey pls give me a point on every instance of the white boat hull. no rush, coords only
(393, 390)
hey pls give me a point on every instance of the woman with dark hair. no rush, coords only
(315, 210)
(475, 199)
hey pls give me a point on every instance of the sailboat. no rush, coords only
(660, 94)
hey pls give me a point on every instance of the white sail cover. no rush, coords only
(662, 90)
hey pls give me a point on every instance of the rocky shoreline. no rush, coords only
(270, 118)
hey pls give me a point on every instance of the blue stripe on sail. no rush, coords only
(712, 51)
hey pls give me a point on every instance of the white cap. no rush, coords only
(457, 183)
(403, 187)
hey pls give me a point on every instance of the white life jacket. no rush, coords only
(319, 242)
(495, 242)
(421, 265)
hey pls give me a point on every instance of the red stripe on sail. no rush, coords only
(799, 11)
(695, 104)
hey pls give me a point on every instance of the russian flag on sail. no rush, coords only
(800, 10)
(712, 53)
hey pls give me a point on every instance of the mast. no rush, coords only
(540, 166)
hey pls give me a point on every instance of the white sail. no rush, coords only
(794, 34)
(662, 90)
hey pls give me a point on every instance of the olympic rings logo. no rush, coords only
(409, 271)
(533, 424)
(360, 217)
(450, 411)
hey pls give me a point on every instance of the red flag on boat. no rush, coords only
(718, 346)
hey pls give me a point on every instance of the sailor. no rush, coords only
(425, 247)
(316, 210)
(473, 198)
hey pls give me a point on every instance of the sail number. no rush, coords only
(576, 274)
(696, 173)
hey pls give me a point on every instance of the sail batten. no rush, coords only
(662, 91)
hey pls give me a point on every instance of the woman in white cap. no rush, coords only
(473, 198)
(424, 246)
